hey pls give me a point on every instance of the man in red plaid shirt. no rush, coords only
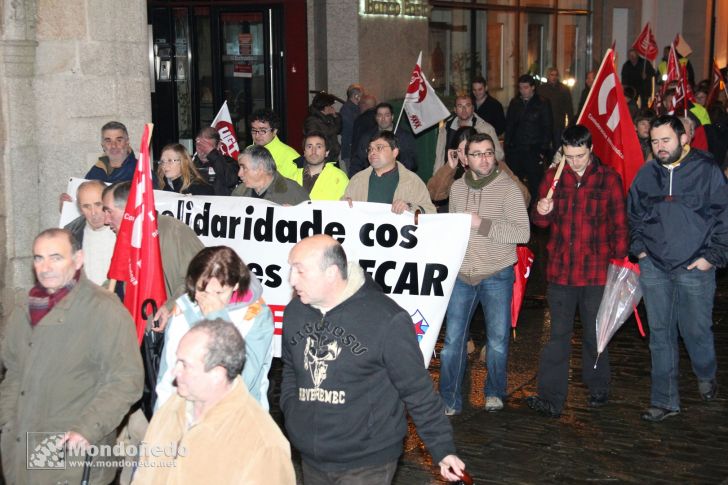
(588, 227)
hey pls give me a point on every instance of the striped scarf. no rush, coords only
(40, 302)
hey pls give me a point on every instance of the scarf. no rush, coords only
(40, 302)
(480, 183)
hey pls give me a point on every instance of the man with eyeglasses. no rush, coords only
(264, 125)
(219, 170)
(499, 221)
(464, 116)
(588, 227)
(387, 180)
(385, 122)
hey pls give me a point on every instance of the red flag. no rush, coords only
(684, 92)
(523, 271)
(607, 117)
(137, 259)
(716, 85)
(673, 67)
(645, 43)
(223, 123)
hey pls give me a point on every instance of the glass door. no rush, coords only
(205, 56)
(244, 66)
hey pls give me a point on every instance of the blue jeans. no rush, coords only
(494, 293)
(678, 301)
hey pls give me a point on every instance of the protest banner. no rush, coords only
(415, 264)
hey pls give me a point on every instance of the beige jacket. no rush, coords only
(481, 126)
(236, 442)
(410, 189)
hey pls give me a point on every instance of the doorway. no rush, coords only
(205, 56)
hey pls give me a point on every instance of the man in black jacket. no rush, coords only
(486, 106)
(351, 364)
(528, 135)
(678, 215)
(218, 170)
(385, 122)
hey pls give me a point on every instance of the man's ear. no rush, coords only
(78, 259)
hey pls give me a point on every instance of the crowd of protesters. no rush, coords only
(345, 411)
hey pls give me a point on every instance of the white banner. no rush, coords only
(415, 264)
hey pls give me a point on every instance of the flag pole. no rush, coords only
(399, 117)
(557, 176)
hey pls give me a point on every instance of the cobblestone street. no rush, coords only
(606, 445)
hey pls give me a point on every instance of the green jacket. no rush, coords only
(178, 244)
(330, 184)
(79, 370)
(281, 190)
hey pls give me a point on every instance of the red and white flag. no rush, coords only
(137, 259)
(223, 123)
(673, 66)
(607, 117)
(717, 84)
(684, 92)
(645, 43)
(421, 103)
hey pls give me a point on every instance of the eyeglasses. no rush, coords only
(377, 148)
(485, 154)
(170, 161)
(260, 131)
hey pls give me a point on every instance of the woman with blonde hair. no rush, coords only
(177, 173)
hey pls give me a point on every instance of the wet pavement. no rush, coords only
(606, 445)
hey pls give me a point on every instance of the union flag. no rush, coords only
(607, 117)
(645, 43)
(137, 259)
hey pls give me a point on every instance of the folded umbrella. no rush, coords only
(622, 293)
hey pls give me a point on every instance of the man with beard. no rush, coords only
(321, 179)
(118, 162)
(679, 232)
(588, 227)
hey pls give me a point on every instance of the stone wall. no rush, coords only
(66, 68)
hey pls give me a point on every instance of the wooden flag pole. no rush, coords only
(557, 176)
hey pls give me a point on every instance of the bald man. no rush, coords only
(96, 239)
(347, 430)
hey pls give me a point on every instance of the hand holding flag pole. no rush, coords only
(557, 176)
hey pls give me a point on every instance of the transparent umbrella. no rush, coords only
(622, 293)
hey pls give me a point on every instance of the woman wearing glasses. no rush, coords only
(177, 173)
